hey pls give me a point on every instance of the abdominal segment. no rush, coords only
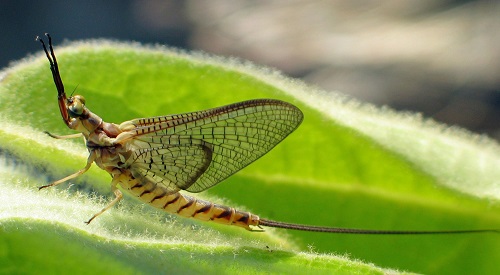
(187, 206)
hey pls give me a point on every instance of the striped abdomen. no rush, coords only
(187, 206)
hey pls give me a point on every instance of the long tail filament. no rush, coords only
(271, 223)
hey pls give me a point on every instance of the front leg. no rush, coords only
(65, 136)
(72, 176)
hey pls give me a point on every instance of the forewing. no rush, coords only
(236, 135)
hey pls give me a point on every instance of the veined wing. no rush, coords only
(173, 167)
(209, 146)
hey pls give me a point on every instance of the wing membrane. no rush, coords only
(236, 135)
(173, 167)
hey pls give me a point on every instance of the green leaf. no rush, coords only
(348, 165)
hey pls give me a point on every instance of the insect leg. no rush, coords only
(118, 197)
(65, 136)
(72, 176)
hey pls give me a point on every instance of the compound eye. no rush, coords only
(80, 98)
(76, 106)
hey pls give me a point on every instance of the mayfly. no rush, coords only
(154, 158)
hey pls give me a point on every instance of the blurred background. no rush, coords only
(440, 58)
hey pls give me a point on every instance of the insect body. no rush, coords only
(154, 158)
